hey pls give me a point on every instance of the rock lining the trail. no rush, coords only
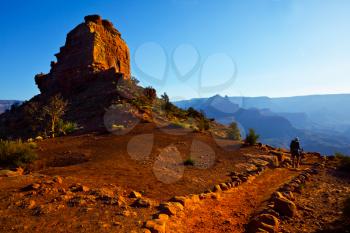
(176, 205)
(281, 205)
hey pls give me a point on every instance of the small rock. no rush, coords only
(183, 200)
(77, 201)
(171, 208)
(31, 187)
(266, 222)
(163, 217)
(285, 207)
(289, 195)
(135, 194)
(31, 204)
(117, 224)
(58, 179)
(224, 187)
(79, 188)
(156, 226)
(141, 203)
(128, 213)
(217, 188)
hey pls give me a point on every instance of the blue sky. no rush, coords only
(233, 47)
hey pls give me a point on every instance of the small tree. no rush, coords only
(234, 132)
(252, 138)
(55, 109)
(191, 112)
(166, 100)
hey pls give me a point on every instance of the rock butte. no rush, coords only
(94, 49)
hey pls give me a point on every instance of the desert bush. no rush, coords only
(178, 124)
(67, 127)
(189, 162)
(191, 112)
(203, 124)
(252, 138)
(150, 93)
(234, 132)
(344, 161)
(16, 153)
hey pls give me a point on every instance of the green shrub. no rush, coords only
(344, 161)
(234, 132)
(252, 138)
(67, 127)
(203, 124)
(16, 153)
(189, 162)
(179, 124)
(191, 112)
(116, 127)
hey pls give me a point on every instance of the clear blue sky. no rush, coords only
(279, 47)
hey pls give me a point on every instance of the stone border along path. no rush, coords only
(178, 203)
(281, 205)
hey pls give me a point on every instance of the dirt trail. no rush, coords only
(233, 209)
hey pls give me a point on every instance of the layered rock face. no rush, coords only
(93, 50)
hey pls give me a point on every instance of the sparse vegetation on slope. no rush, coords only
(16, 153)
(344, 162)
(234, 132)
(252, 138)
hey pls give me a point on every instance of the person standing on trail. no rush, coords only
(295, 151)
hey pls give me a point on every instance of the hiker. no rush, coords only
(295, 151)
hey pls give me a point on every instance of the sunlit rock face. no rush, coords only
(94, 49)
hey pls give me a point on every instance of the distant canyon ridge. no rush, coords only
(321, 121)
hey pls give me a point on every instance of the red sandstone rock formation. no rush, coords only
(94, 49)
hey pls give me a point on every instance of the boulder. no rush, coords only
(171, 208)
(285, 207)
(224, 187)
(266, 222)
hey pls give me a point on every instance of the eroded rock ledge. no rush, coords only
(94, 49)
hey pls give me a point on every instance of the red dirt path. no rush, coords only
(234, 208)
